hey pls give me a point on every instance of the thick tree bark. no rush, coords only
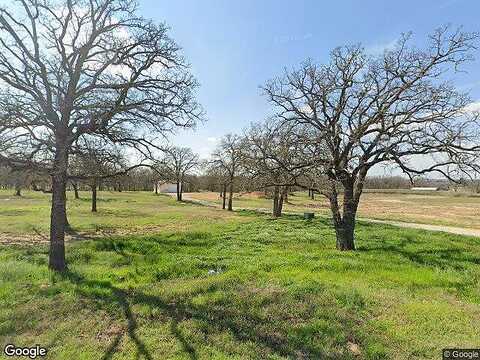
(344, 223)
(230, 197)
(345, 233)
(58, 216)
(181, 190)
(156, 188)
(18, 190)
(94, 196)
(224, 196)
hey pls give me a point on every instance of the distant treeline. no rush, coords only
(143, 179)
(399, 182)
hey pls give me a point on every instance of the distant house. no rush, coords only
(166, 187)
(424, 188)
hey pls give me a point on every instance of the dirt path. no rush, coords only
(441, 228)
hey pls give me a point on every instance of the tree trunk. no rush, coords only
(75, 190)
(58, 215)
(344, 223)
(156, 187)
(275, 201)
(224, 196)
(278, 200)
(345, 231)
(181, 190)
(230, 197)
(178, 191)
(18, 190)
(94, 196)
(312, 194)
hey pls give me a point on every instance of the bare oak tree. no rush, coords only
(176, 165)
(279, 156)
(76, 67)
(390, 109)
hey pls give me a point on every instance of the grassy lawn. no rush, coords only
(437, 208)
(207, 284)
(125, 212)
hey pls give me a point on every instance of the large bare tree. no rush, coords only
(398, 108)
(70, 68)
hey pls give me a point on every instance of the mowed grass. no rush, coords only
(437, 208)
(215, 285)
(118, 212)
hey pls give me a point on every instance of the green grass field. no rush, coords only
(182, 281)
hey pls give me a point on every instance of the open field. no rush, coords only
(438, 208)
(208, 284)
(119, 213)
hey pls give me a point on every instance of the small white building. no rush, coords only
(424, 188)
(166, 187)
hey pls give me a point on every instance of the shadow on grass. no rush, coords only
(118, 297)
(221, 319)
(241, 320)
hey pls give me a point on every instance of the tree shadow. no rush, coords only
(244, 325)
(116, 296)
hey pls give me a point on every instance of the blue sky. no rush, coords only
(235, 46)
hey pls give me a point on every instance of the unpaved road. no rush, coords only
(442, 228)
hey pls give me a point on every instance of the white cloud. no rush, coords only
(380, 47)
(212, 139)
(473, 107)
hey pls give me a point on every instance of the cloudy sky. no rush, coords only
(235, 46)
